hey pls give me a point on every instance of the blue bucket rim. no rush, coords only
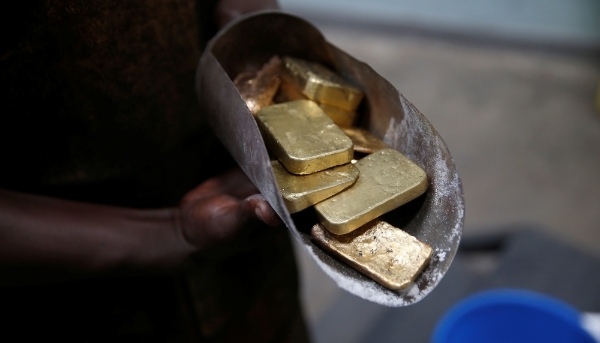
(531, 299)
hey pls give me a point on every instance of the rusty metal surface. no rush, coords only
(436, 218)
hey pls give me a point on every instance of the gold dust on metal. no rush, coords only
(303, 138)
(387, 180)
(379, 250)
(302, 191)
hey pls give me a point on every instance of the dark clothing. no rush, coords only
(99, 106)
(97, 90)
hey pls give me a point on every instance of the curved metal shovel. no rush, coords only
(436, 217)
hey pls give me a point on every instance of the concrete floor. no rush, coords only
(523, 131)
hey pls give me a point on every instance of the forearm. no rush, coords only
(38, 231)
(40, 235)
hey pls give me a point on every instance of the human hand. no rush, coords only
(227, 10)
(220, 207)
(65, 236)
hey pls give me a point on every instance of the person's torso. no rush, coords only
(101, 92)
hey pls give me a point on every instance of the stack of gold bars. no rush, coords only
(306, 114)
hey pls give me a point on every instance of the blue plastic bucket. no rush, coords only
(514, 316)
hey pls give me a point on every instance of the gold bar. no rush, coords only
(364, 141)
(303, 138)
(321, 84)
(300, 192)
(258, 88)
(387, 180)
(288, 92)
(340, 117)
(382, 252)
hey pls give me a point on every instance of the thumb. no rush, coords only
(221, 217)
(262, 210)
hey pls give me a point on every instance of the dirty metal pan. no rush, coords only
(436, 217)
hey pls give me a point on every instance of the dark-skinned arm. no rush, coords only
(79, 239)
(47, 239)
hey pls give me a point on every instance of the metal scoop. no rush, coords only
(436, 217)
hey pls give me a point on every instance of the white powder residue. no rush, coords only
(441, 256)
(391, 134)
(413, 290)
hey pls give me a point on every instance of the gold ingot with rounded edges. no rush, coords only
(379, 250)
(303, 137)
(388, 179)
(340, 117)
(302, 191)
(321, 84)
(288, 92)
